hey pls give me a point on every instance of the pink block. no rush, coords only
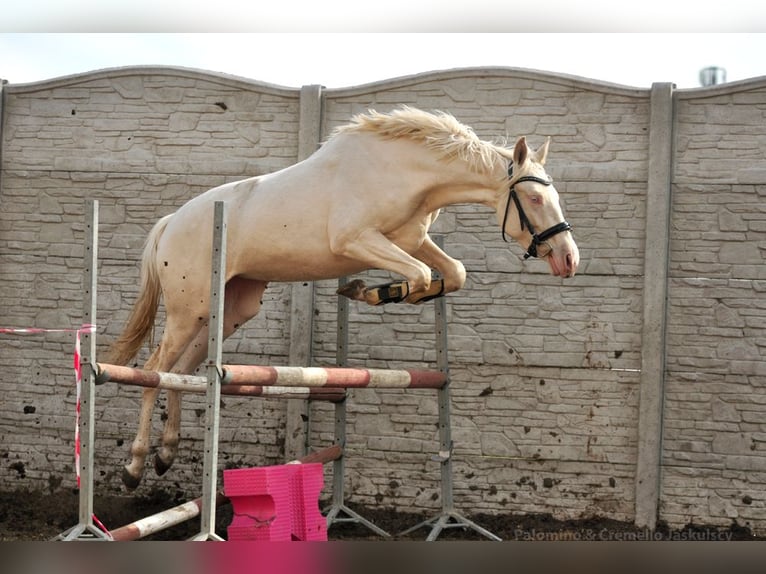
(260, 498)
(306, 485)
(276, 503)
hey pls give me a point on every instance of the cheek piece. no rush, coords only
(537, 238)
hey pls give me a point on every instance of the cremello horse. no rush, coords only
(364, 200)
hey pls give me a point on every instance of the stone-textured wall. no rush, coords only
(545, 372)
(714, 458)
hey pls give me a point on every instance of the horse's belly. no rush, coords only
(276, 258)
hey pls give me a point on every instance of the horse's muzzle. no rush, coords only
(564, 262)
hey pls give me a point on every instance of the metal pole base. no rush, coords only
(83, 533)
(442, 521)
(206, 537)
(333, 515)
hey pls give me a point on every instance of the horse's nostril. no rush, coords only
(569, 264)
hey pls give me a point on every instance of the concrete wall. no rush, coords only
(714, 455)
(568, 397)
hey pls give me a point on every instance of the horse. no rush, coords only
(364, 200)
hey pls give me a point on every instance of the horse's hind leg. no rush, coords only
(173, 342)
(242, 301)
(133, 471)
(171, 434)
(190, 358)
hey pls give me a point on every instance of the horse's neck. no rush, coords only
(454, 194)
(458, 184)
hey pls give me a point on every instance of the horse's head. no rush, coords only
(531, 214)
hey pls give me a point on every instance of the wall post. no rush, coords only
(658, 206)
(302, 293)
(2, 123)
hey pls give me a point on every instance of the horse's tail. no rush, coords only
(141, 320)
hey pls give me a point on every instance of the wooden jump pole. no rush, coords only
(163, 520)
(342, 378)
(198, 384)
(294, 377)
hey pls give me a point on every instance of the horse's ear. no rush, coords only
(542, 151)
(520, 151)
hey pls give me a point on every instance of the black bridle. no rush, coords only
(537, 238)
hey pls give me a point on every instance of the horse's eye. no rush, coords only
(535, 199)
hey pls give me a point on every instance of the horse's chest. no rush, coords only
(410, 236)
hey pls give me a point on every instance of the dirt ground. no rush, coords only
(29, 516)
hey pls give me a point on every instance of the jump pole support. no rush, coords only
(449, 517)
(214, 373)
(338, 512)
(85, 529)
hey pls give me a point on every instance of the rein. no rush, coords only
(537, 238)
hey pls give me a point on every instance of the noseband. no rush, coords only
(537, 238)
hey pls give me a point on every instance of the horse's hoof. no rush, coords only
(160, 466)
(130, 481)
(354, 290)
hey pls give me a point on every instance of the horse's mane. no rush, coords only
(439, 131)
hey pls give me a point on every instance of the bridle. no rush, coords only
(537, 238)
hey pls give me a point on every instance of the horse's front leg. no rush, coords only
(376, 251)
(452, 271)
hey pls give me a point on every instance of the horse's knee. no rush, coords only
(454, 278)
(420, 279)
